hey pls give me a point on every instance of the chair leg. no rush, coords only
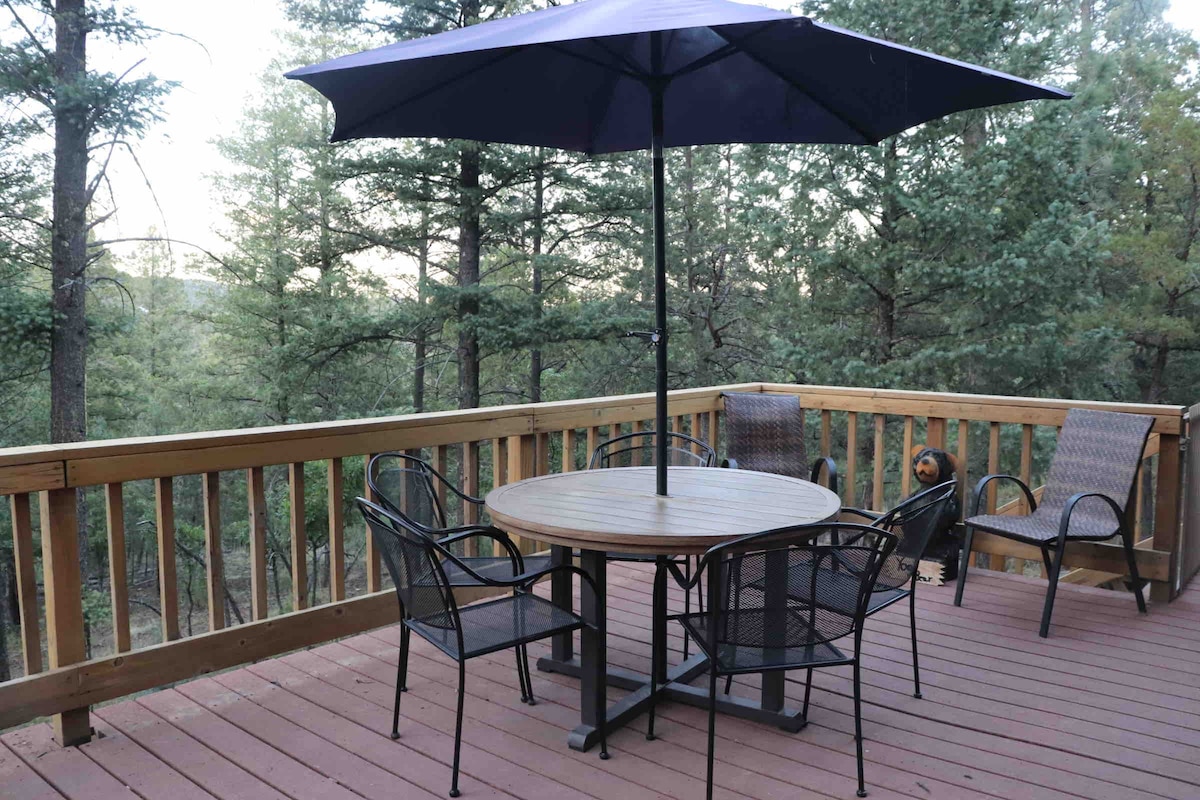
(858, 737)
(963, 561)
(401, 678)
(687, 604)
(1052, 578)
(807, 693)
(912, 624)
(1136, 583)
(712, 725)
(728, 683)
(523, 675)
(462, 679)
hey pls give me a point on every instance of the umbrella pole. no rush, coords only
(657, 89)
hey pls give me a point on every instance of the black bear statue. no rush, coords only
(932, 466)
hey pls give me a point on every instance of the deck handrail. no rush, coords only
(517, 441)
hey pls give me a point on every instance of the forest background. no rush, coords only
(1045, 249)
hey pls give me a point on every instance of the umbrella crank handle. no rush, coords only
(652, 338)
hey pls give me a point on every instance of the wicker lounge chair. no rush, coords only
(1090, 485)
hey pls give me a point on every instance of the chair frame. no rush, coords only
(453, 535)
(1058, 545)
(744, 544)
(376, 515)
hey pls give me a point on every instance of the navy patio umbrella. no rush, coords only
(608, 76)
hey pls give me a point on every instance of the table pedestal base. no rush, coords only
(637, 702)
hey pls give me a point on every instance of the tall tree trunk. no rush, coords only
(421, 342)
(468, 277)
(539, 207)
(68, 247)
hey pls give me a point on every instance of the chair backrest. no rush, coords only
(765, 432)
(404, 485)
(798, 606)
(1098, 451)
(411, 558)
(914, 521)
(638, 450)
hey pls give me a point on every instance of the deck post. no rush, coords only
(64, 602)
(1167, 505)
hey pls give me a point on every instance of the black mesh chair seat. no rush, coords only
(838, 586)
(1087, 523)
(495, 567)
(1090, 485)
(498, 625)
(807, 645)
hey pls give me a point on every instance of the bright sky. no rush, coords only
(179, 152)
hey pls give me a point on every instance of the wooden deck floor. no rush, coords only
(1107, 708)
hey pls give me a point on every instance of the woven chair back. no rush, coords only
(1098, 451)
(765, 432)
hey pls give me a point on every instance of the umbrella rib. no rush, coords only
(596, 62)
(870, 138)
(431, 89)
(720, 54)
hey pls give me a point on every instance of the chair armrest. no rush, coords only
(830, 470)
(1064, 521)
(873, 516)
(487, 532)
(977, 493)
(729, 463)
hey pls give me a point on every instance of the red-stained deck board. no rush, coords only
(19, 782)
(1107, 708)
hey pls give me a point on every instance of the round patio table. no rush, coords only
(617, 510)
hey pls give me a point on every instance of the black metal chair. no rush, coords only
(416, 562)
(914, 522)
(784, 626)
(640, 450)
(765, 432)
(405, 485)
(1090, 485)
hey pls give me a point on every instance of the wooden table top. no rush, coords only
(617, 510)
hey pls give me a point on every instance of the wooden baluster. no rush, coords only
(213, 561)
(542, 454)
(499, 462)
(993, 463)
(521, 465)
(826, 433)
(635, 455)
(27, 593)
(470, 486)
(697, 431)
(373, 564)
(1167, 500)
(935, 433)
(1026, 464)
(714, 430)
(851, 458)
(878, 462)
(677, 424)
(335, 492)
(593, 441)
(906, 459)
(64, 601)
(570, 440)
(256, 495)
(964, 433)
(441, 462)
(114, 517)
(1139, 494)
(299, 535)
(168, 583)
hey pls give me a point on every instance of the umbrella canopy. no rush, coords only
(606, 76)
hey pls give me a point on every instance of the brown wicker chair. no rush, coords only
(765, 432)
(1090, 485)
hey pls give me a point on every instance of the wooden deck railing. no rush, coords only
(869, 432)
